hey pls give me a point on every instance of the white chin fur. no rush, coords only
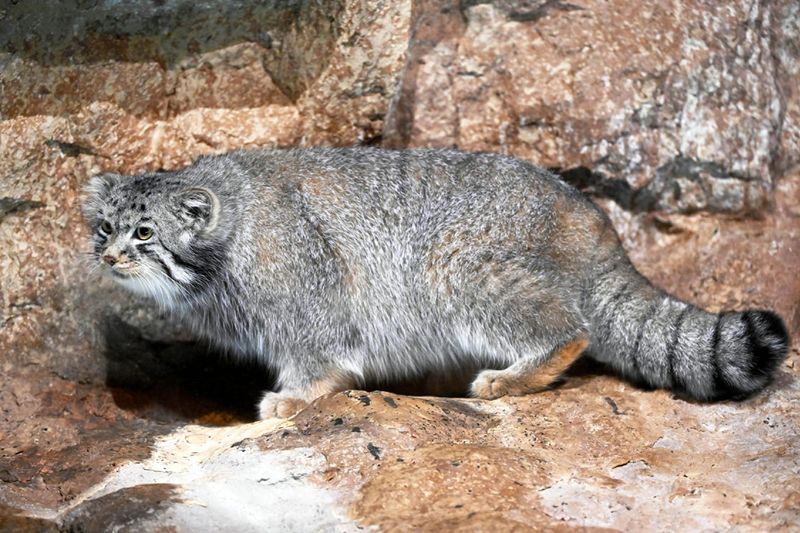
(154, 287)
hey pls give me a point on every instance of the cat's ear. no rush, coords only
(95, 192)
(199, 208)
(101, 184)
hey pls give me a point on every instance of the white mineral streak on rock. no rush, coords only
(224, 483)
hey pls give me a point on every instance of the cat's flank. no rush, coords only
(340, 266)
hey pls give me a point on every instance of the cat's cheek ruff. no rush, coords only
(154, 286)
(168, 263)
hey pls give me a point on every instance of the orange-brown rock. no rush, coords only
(664, 104)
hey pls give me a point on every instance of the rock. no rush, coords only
(671, 100)
(137, 507)
(563, 457)
(12, 520)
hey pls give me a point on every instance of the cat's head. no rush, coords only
(153, 233)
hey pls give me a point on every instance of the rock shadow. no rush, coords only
(180, 381)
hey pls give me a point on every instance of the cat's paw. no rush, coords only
(491, 384)
(279, 405)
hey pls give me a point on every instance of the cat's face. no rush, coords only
(148, 232)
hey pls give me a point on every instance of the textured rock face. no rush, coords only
(674, 115)
(682, 107)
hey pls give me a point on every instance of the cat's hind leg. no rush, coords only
(527, 376)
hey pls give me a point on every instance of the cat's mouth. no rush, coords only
(124, 270)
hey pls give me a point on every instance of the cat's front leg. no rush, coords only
(296, 393)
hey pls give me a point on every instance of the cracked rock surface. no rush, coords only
(681, 119)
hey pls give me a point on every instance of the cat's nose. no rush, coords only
(110, 259)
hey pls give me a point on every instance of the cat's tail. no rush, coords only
(660, 341)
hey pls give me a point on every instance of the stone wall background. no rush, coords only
(655, 108)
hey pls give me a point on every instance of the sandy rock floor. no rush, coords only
(595, 452)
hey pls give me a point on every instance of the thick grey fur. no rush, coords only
(379, 264)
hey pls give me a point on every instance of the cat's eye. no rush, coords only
(143, 233)
(106, 227)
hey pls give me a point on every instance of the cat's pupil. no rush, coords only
(144, 233)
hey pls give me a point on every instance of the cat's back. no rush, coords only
(379, 203)
(397, 184)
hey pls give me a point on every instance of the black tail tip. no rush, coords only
(769, 341)
(752, 345)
